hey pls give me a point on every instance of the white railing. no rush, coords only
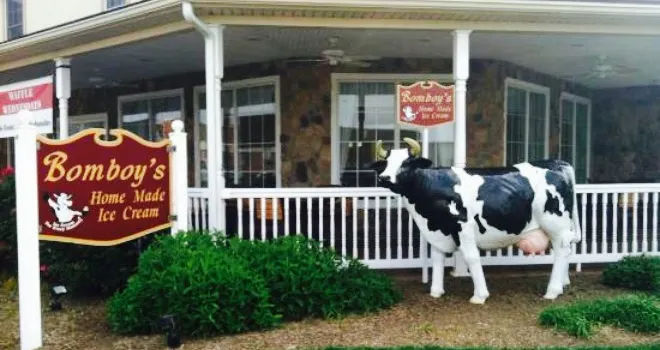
(372, 225)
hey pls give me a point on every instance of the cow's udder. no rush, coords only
(534, 242)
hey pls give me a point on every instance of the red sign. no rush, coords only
(425, 104)
(102, 193)
(33, 95)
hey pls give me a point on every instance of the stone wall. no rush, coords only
(305, 108)
(626, 135)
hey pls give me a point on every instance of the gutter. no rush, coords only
(516, 6)
(189, 15)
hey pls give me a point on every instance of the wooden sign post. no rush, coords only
(94, 192)
(425, 105)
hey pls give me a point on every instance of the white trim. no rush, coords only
(575, 99)
(233, 85)
(528, 87)
(148, 96)
(337, 78)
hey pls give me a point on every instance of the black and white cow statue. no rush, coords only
(528, 204)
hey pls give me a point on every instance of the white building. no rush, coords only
(571, 79)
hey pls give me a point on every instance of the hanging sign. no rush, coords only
(35, 96)
(98, 192)
(425, 104)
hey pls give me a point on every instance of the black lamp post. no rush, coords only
(169, 325)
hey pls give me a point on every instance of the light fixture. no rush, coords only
(57, 292)
(168, 323)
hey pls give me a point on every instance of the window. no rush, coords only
(110, 4)
(88, 121)
(574, 134)
(250, 127)
(364, 112)
(527, 112)
(149, 115)
(14, 19)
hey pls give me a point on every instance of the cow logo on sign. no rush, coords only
(66, 217)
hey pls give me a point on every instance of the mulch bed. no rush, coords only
(507, 319)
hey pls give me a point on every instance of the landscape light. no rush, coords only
(168, 323)
(57, 292)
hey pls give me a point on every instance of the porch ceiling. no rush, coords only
(564, 55)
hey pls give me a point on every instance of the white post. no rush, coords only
(461, 75)
(180, 176)
(423, 249)
(63, 93)
(214, 129)
(27, 230)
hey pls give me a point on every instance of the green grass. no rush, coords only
(635, 313)
(630, 347)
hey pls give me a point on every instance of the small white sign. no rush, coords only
(34, 95)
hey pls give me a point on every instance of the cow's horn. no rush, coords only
(415, 148)
(381, 153)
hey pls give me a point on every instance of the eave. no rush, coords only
(159, 17)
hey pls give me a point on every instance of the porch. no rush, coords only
(298, 130)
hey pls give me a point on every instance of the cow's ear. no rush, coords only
(420, 163)
(378, 166)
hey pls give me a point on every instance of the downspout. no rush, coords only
(213, 60)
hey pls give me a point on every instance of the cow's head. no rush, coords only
(390, 163)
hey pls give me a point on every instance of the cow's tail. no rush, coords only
(576, 219)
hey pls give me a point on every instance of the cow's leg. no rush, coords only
(438, 276)
(561, 247)
(567, 277)
(473, 260)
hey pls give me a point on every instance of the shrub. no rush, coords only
(188, 276)
(634, 272)
(308, 280)
(8, 249)
(637, 313)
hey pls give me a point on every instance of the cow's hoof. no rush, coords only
(437, 293)
(552, 295)
(477, 300)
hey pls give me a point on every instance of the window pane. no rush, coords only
(567, 111)
(135, 117)
(255, 115)
(515, 125)
(14, 19)
(114, 3)
(537, 109)
(165, 110)
(582, 115)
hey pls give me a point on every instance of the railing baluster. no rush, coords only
(604, 218)
(251, 201)
(298, 225)
(310, 203)
(594, 234)
(377, 232)
(411, 252)
(263, 218)
(583, 223)
(239, 213)
(615, 223)
(343, 226)
(655, 222)
(320, 199)
(365, 227)
(625, 223)
(332, 209)
(645, 222)
(399, 227)
(635, 233)
(388, 214)
(355, 220)
(287, 217)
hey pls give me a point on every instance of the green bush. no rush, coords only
(188, 276)
(308, 280)
(216, 285)
(634, 272)
(637, 313)
(8, 249)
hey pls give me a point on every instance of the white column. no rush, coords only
(27, 229)
(180, 191)
(461, 74)
(214, 73)
(63, 92)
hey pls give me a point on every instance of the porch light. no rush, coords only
(168, 323)
(57, 292)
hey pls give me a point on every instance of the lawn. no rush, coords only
(509, 318)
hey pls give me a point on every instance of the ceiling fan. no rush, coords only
(335, 56)
(603, 68)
